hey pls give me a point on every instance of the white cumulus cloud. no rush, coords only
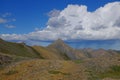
(76, 23)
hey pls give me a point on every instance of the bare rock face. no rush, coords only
(63, 49)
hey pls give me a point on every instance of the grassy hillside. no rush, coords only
(18, 49)
(46, 53)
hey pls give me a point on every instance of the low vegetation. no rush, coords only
(11, 72)
(78, 61)
(114, 72)
(54, 72)
(57, 72)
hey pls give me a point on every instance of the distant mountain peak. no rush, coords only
(59, 41)
(62, 48)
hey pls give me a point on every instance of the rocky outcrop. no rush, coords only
(4, 59)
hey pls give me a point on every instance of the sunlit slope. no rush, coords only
(46, 53)
(44, 70)
(18, 49)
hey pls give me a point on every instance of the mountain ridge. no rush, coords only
(57, 50)
(17, 49)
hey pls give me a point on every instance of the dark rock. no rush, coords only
(4, 59)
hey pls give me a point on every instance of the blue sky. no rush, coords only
(31, 14)
(46, 20)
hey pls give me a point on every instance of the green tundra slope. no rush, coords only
(18, 49)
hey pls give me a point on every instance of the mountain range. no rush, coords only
(93, 64)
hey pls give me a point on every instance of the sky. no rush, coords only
(80, 23)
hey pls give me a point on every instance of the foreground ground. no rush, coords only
(43, 70)
(37, 69)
